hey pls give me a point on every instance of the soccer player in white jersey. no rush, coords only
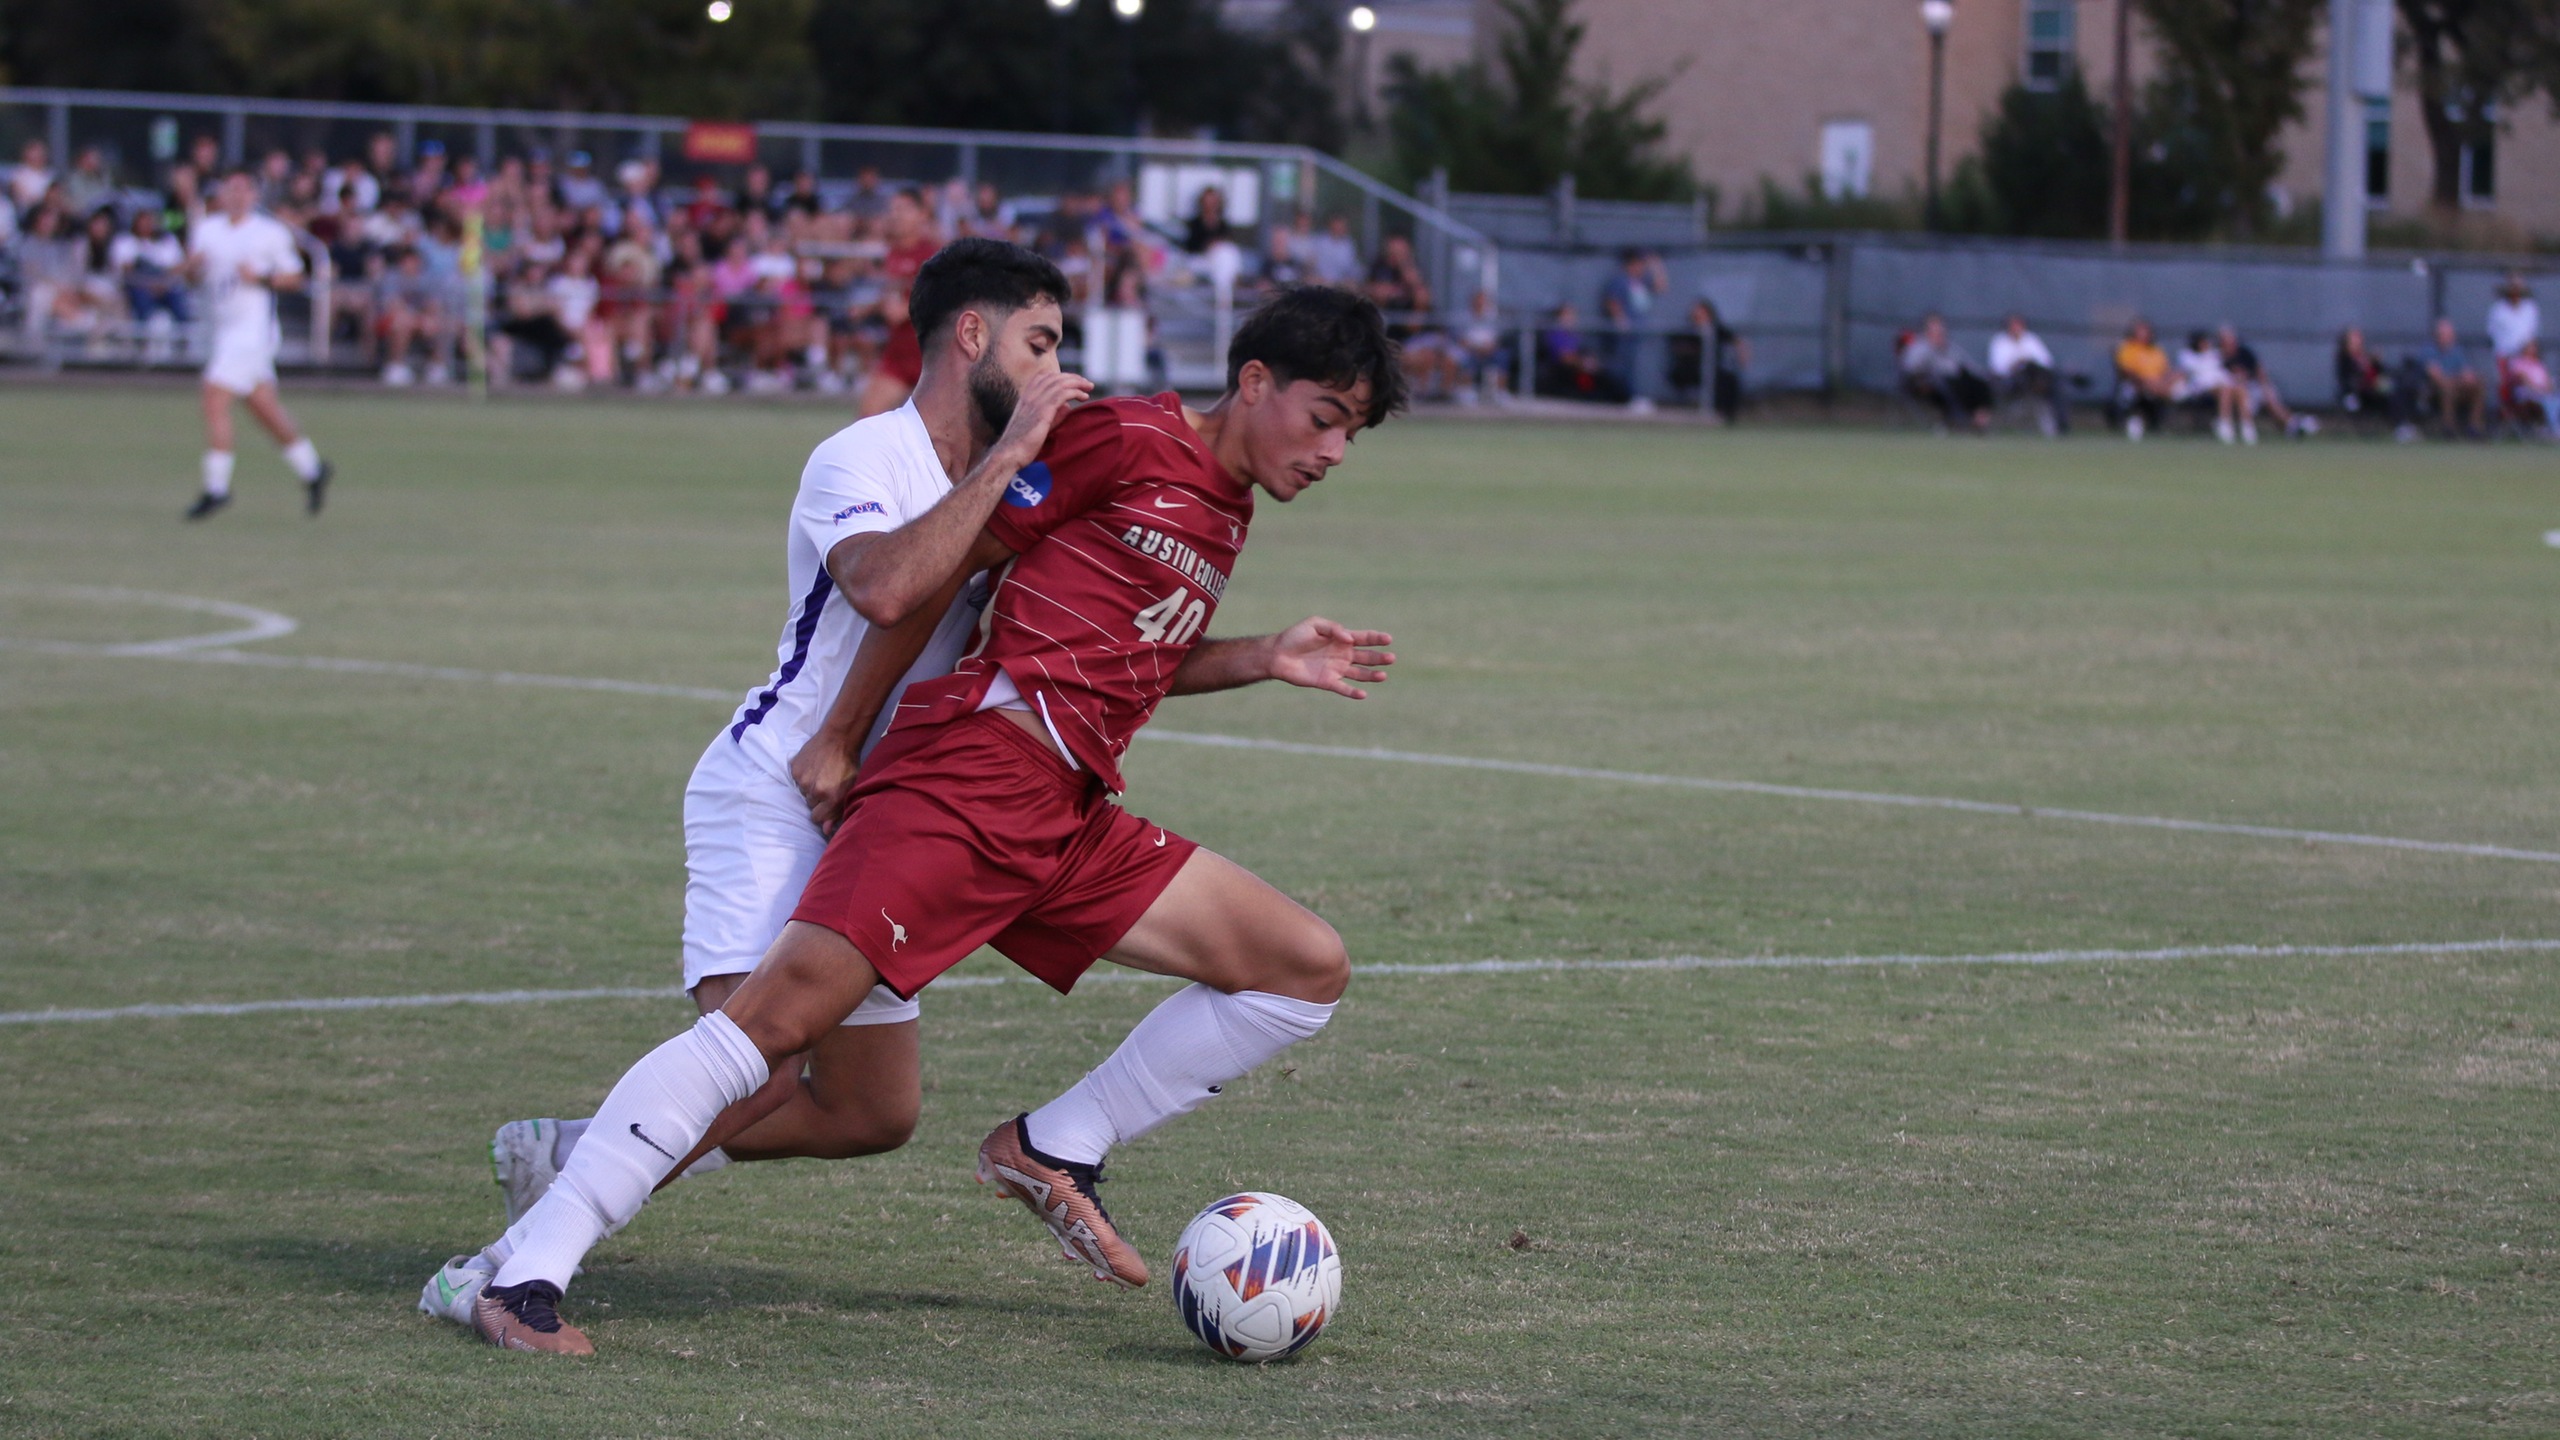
(765, 794)
(242, 259)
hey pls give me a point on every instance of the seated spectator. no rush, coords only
(101, 289)
(1707, 360)
(49, 266)
(1282, 261)
(1936, 371)
(2461, 396)
(1566, 365)
(148, 261)
(411, 310)
(869, 203)
(1478, 351)
(802, 198)
(2529, 389)
(2256, 390)
(2363, 387)
(2204, 385)
(90, 184)
(1333, 258)
(2022, 368)
(2144, 383)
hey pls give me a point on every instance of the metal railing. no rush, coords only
(138, 135)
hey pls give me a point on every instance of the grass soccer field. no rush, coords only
(2178, 1187)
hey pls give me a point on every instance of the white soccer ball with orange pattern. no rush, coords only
(1256, 1276)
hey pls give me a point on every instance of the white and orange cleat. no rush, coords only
(1061, 1194)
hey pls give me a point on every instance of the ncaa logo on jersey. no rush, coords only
(1030, 485)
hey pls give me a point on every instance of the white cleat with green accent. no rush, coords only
(456, 1288)
(520, 1159)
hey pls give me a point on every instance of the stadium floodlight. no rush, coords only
(1062, 6)
(1128, 9)
(719, 11)
(1362, 19)
(1937, 15)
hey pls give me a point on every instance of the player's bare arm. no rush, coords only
(824, 768)
(889, 577)
(1315, 653)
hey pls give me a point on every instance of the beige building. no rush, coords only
(1838, 90)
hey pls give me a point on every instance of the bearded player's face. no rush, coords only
(1024, 346)
(1296, 432)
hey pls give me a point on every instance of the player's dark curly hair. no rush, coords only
(982, 272)
(1333, 337)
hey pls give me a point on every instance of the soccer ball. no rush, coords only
(1256, 1276)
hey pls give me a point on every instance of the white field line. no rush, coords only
(196, 649)
(1459, 968)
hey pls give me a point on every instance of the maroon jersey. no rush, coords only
(1123, 533)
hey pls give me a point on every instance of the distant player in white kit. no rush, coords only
(242, 259)
(765, 794)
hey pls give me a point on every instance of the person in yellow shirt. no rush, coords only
(2142, 380)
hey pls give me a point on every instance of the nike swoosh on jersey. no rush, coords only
(1161, 505)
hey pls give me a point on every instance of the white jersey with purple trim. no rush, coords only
(259, 244)
(870, 477)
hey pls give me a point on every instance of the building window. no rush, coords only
(2377, 153)
(2049, 43)
(1848, 159)
(2480, 173)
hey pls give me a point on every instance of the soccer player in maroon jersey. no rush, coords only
(986, 815)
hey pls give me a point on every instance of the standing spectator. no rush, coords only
(1937, 371)
(1116, 349)
(1333, 258)
(1208, 224)
(31, 177)
(2514, 319)
(907, 227)
(49, 264)
(2022, 367)
(410, 308)
(632, 267)
(1707, 361)
(1625, 300)
(2529, 388)
(2461, 396)
(2143, 383)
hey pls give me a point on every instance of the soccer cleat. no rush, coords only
(206, 505)
(1061, 1194)
(527, 1317)
(455, 1289)
(520, 1160)
(315, 491)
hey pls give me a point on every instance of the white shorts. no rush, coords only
(748, 851)
(243, 359)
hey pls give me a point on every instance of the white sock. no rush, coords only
(658, 1111)
(570, 1130)
(1172, 1063)
(217, 472)
(304, 457)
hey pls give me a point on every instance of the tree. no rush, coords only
(2474, 58)
(2231, 81)
(1518, 127)
(2042, 166)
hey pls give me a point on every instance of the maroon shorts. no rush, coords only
(975, 833)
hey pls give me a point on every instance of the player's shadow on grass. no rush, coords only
(677, 1287)
(328, 1266)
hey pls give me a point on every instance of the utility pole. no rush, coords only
(1935, 17)
(2120, 182)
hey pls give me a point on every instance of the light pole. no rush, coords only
(1129, 11)
(1362, 19)
(2120, 144)
(1935, 17)
(1062, 16)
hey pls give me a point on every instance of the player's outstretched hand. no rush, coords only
(1322, 655)
(1038, 407)
(824, 771)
